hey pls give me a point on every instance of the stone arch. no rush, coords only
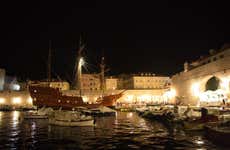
(212, 84)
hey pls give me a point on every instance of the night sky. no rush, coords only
(134, 37)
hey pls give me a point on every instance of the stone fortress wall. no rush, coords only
(190, 84)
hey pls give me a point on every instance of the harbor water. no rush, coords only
(126, 130)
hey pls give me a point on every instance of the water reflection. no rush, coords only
(1, 113)
(124, 131)
(199, 141)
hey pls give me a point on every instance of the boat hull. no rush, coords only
(80, 123)
(35, 117)
(52, 97)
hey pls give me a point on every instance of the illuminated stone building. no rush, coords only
(145, 88)
(146, 81)
(90, 82)
(111, 83)
(63, 85)
(204, 81)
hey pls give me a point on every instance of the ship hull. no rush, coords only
(52, 97)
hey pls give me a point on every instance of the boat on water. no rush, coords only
(196, 124)
(39, 114)
(53, 97)
(45, 95)
(70, 119)
(100, 111)
(79, 123)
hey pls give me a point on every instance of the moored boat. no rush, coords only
(78, 123)
(45, 95)
(199, 123)
(53, 97)
(70, 118)
(39, 114)
(35, 116)
(100, 111)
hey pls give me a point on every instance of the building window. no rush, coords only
(221, 56)
(209, 61)
(214, 59)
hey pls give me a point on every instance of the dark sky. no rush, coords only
(153, 37)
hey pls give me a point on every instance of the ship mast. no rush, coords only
(78, 69)
(49, 64)
(102, 75)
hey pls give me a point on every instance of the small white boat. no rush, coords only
(35, 116)
(71, 119)
(40, 114)
(71, 123)
(100, 111)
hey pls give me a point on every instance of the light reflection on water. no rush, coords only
(0, 118)
(123, 131)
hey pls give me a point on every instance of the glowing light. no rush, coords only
(196, 89)
(225, 84)
(17, 100)
(168, 95)
(15, 87)
(85, 99)
(15, 119)
(145, 98)
(0, 117)
(129, 115)
(15, 115)
(172, 93)
(2, 100)
(129, 98)
(213, 96)
(29, 100)
(200, 142)
(81, 61)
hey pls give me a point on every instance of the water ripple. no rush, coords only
(125, 131)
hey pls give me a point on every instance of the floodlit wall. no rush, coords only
(111, 83)
(129, 96)
(15, 98)
(190, 85)
(90, 82)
